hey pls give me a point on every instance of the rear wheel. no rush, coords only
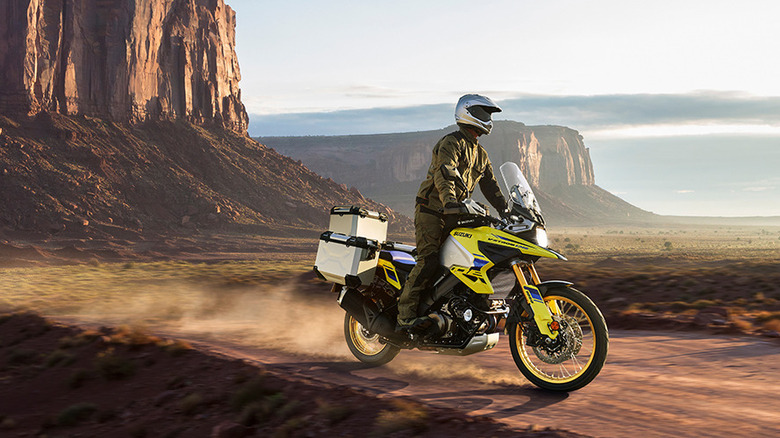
(576, 356)
(367, 346)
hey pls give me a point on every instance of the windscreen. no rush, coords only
(521, 198)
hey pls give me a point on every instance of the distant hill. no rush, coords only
(390, 167)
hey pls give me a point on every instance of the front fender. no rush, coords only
(551, 284)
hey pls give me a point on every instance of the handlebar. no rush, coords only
(479, 220)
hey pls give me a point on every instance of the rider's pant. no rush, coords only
(428, 230)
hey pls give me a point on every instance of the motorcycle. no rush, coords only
(558, 337)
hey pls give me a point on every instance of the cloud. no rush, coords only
(356, 121)
(584, 113)
(621, 110)
(684, 191)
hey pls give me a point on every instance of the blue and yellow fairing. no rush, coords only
(489, 246)
(390, 273)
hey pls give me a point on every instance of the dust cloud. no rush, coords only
(298, 320)
(278, 317)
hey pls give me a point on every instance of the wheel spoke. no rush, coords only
(367, 343)
(567, 361)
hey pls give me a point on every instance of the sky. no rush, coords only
(685, 91)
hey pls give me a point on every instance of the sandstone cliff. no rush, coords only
(549, 156)
(390, 167)
(126, 60)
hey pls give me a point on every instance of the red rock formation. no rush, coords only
(552, 156)
(127, 60)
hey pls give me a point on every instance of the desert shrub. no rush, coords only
(190, 404)
(114, 367)
(408, 415)
(334, 413)
(251, 414)
(257, 412)
(772, 325)
(78, 340)
(22, 356)
(689, 282)
(251, 391)
(177, 382)
(75, 414)
(289, 427)
(700, 304)
(133, 336)
(59, 357)
(77, 378)
(742, 325)
(764, 317)
(679, 306)
(288, 409)
(7, 422)
(176, 348)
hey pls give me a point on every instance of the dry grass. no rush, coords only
(676, 269)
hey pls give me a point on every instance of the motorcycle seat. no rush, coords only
(400, 259)
(397, 246)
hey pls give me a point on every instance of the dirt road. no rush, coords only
(654, 384)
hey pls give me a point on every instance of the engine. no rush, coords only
(466, 315)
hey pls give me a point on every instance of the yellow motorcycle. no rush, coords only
(558, 337)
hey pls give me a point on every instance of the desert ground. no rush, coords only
(694, 314)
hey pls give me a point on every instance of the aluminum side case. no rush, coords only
(356, 221)
(348, 252)
(349, 260)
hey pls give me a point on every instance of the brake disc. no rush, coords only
(566, 345)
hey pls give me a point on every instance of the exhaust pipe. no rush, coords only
(367, 313)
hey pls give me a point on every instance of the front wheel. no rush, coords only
(367, 346)
(578, 353)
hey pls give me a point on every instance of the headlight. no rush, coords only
(541, 237)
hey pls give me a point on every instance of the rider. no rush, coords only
(440, 198)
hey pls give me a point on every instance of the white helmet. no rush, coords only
(475, 110)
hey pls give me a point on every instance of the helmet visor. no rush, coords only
(479, 113)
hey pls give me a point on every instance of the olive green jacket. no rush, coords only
(462, 151)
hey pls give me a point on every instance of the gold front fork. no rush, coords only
(542, 311)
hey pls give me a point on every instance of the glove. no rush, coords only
(452, 212)
(454, 208)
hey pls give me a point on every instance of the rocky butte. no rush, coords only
(125, 60)
(389, 167)
(126, 115)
